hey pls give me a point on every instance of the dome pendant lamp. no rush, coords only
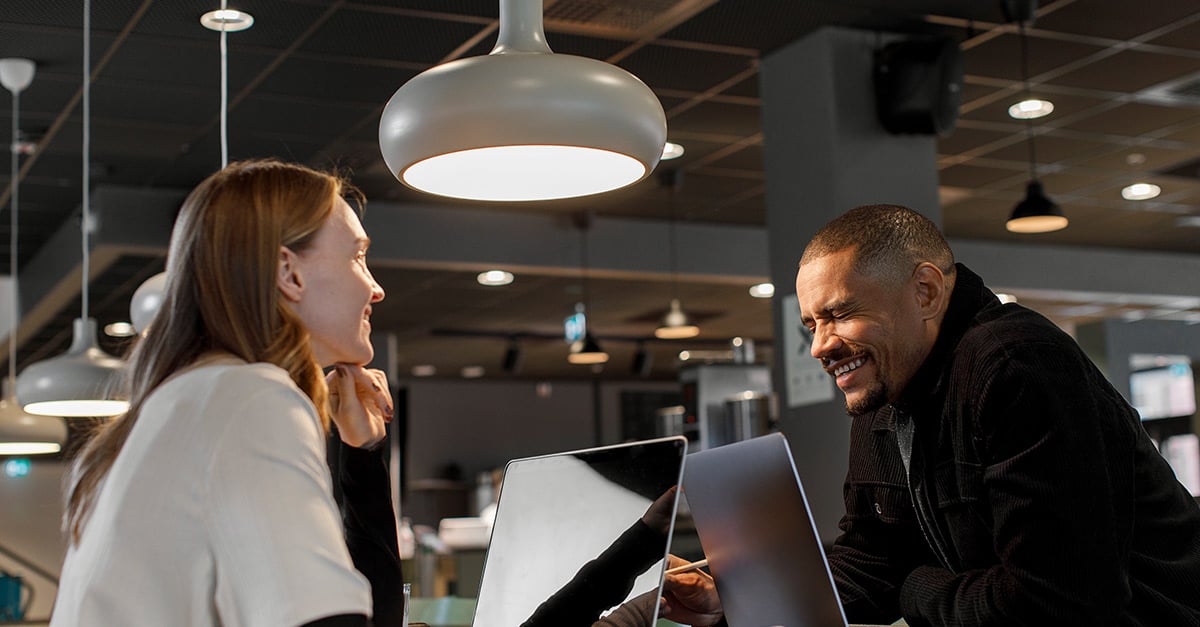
(82, 381)
(675, 324)
(522, 123)
(21, 433)
(1036, 213)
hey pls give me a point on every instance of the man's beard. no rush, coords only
(876, 397)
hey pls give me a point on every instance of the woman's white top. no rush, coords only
(218, 511)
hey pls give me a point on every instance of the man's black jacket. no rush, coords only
(1036, 496)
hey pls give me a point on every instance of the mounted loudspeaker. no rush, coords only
(918, 86)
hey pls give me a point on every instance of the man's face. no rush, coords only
(869, 335)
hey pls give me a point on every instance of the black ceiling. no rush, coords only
(309, 80)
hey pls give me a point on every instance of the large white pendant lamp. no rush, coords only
(21, 433)
(522, 123)
(83, 382)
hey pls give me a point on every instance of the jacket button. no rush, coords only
(878, 509)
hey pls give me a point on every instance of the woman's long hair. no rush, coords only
(221, 295)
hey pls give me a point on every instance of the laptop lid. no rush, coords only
(565, 549)
(758, 535)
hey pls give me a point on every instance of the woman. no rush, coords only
(209, 502)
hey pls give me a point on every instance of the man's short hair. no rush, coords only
(889, 241)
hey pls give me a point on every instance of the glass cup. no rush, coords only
(407, 595)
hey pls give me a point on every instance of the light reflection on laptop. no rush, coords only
(578, 534)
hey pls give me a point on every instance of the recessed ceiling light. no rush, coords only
(1135, 158)
(494, 278)
(1031, 109)
(424, 370)
(762, 290)
(120, 329)
(1140, 191)
(228, 20)
(672, 151)
(472, 372)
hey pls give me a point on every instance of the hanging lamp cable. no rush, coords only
(85, 225)
(224, 93)
(12, 242)
(671, 243)
(1028, 95)
(583, 260)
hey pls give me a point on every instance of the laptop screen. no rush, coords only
(579, 533)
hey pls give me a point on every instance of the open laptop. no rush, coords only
(759, 537)
(559, 513)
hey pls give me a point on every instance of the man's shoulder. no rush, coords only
(1013, 328)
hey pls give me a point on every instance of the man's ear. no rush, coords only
(288, 278)
(931, 290)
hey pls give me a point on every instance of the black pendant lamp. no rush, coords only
(585, 350)
(1036, 213)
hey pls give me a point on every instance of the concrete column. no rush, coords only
(826, 152)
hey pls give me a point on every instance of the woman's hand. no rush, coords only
(690, 598)
(361, 404)
(661, 512)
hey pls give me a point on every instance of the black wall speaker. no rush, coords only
(918, 85)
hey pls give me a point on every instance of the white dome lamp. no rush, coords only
(28, 434)
(81, 382)
(522, 123)
(146, 301)
(21, 433)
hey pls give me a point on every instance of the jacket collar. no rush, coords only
(968, 298)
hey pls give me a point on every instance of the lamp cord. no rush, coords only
(224, 93)
(1028, 95)
(671, 241)
(12, 245)
(87, 145)
(583, 258)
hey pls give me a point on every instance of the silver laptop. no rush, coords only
(759, 537)
(562, 553)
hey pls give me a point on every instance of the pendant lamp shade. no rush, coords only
(587, 351)
(81, 382)
(146, 301)
(20, 433)
(1037, 213)
(675, 324)
(522, 123)
(77, 383)
(27, 434)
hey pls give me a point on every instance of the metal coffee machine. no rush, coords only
(722, 402)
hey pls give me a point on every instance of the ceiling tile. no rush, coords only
(1133, 119)
(1115, 19)
(1000, 57)
(678, 68)
(1129, 71)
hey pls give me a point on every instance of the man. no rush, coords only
(995, 477)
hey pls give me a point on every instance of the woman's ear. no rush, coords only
(932, 291)
(288, 278)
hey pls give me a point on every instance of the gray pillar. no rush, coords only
(826, 152)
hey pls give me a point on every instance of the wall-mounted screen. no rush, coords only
(1167, 391)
